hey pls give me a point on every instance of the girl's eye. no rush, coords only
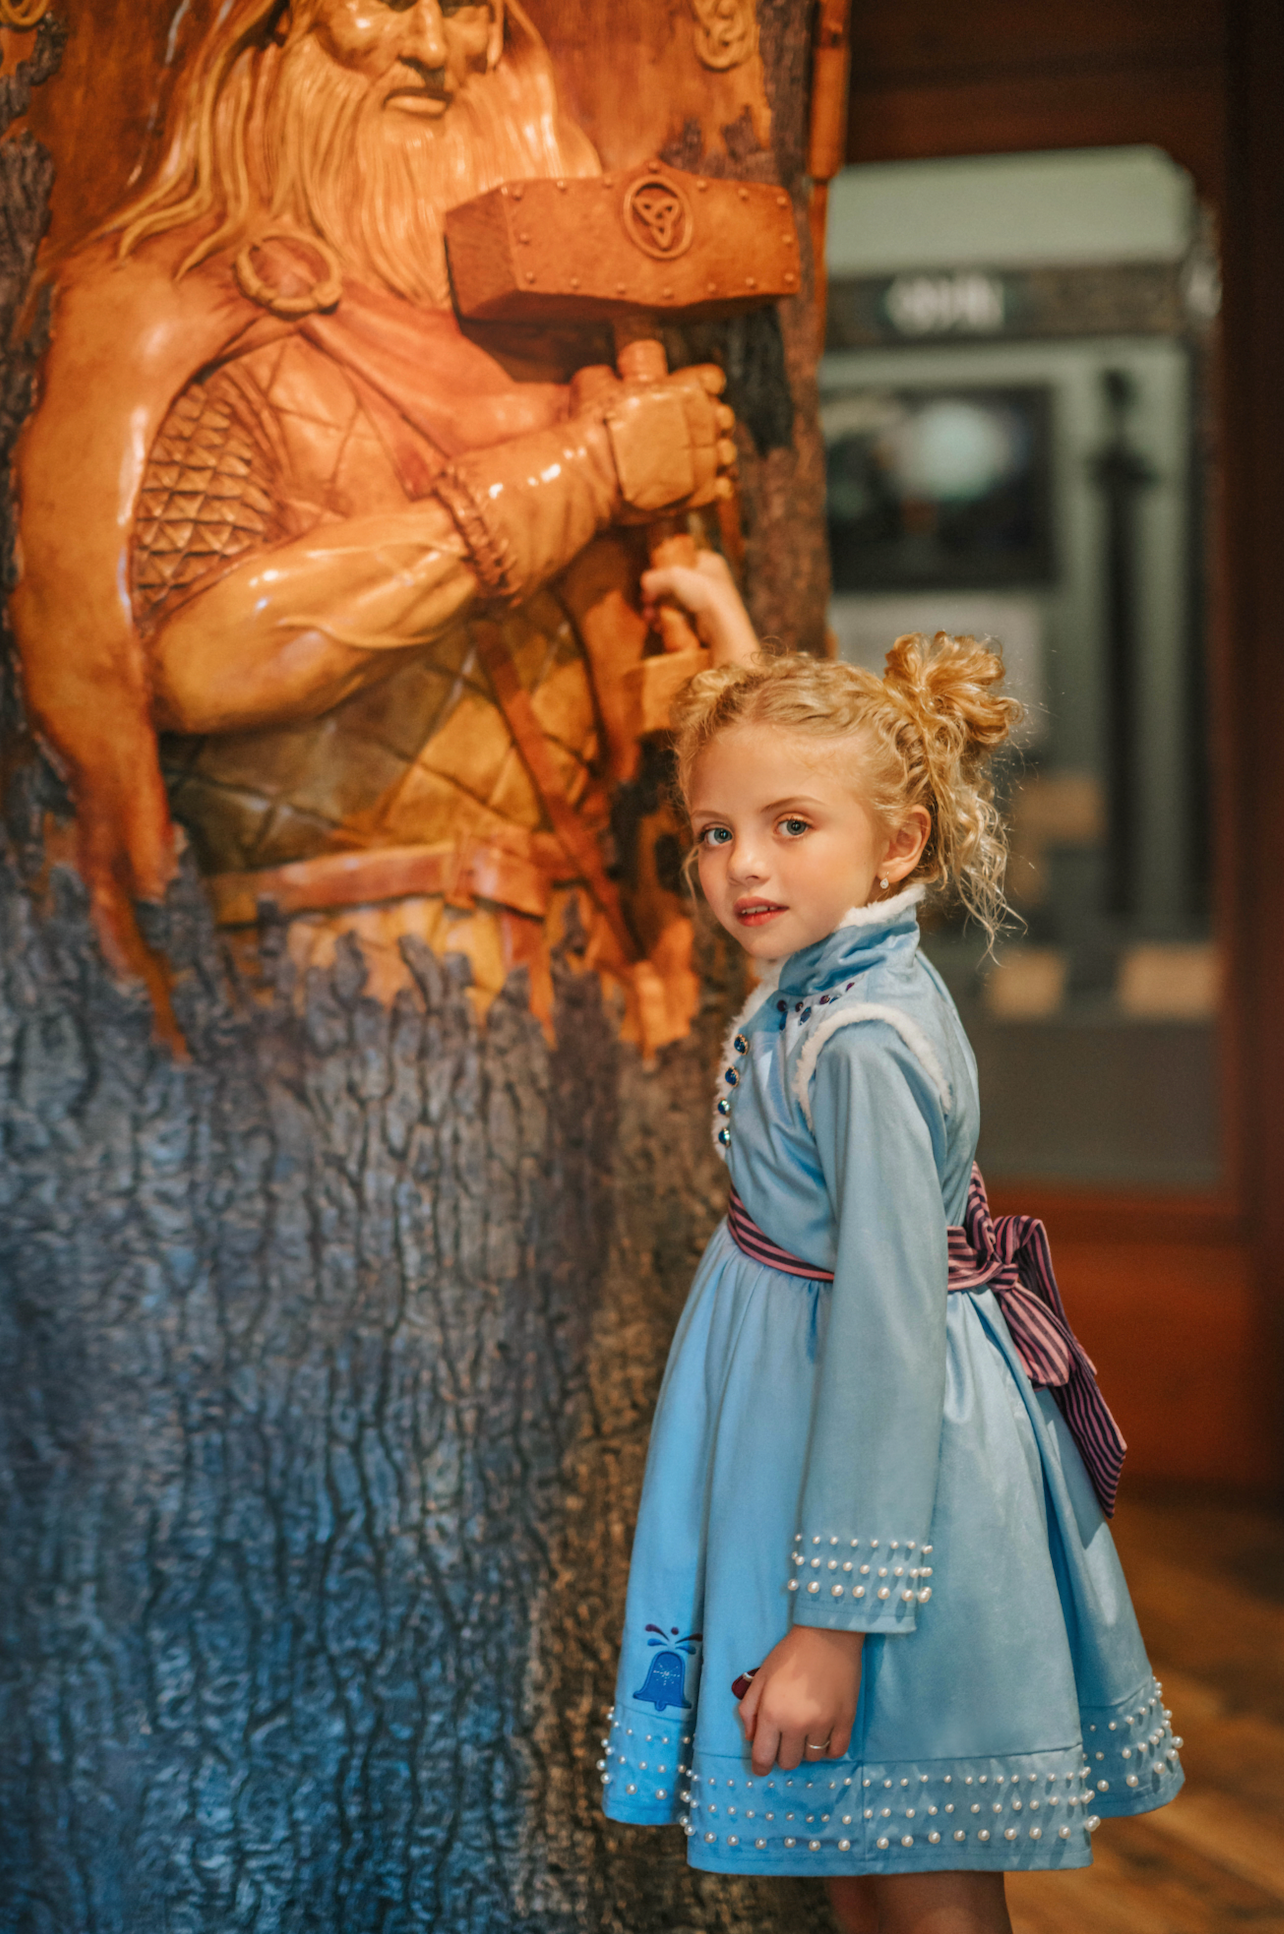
(794, 828)
(715, 836)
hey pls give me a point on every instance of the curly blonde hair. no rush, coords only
(924, 732)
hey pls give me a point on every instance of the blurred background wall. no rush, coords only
(1052, 413)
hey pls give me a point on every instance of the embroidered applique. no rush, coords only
(665, 1684)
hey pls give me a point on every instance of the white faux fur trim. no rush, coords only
(881, 913)
(765, 987)
(910, 1032)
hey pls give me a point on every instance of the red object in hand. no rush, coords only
(741, 1685)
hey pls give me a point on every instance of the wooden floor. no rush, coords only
(1208, 1584)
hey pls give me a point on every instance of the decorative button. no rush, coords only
(724, 1136)
(732, 1078)
(740, 1044)
(724, 1106)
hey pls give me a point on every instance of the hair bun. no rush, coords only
(949, 687)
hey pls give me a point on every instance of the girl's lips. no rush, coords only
(756, 913)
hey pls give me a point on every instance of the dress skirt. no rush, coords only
(994, 1735)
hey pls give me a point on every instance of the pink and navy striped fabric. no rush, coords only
(1011, 1258)
(746, 1235)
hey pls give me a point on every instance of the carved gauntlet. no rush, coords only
(527, 507)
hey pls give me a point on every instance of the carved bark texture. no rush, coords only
(326, 1366)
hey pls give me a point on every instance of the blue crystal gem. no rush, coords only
(731, 1078)
(724, 1106)
(724, 1136)
(806, 1013)
(740, 1044)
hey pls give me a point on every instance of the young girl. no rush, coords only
(876, 1627)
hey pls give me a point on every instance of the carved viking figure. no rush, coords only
(311, 567)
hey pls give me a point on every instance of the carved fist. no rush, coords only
(670, 442)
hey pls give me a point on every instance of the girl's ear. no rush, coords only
(905, 847)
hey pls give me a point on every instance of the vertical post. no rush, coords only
(1121, 473)
(827, 132)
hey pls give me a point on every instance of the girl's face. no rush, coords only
(785, 845)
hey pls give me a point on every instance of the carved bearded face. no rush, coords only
(383, 114)
(417, 58)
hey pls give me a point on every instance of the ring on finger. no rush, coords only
(823, 1746)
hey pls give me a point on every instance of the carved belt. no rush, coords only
(459, 872)
(1010, 1257)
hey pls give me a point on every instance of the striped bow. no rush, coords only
(1011, 1258)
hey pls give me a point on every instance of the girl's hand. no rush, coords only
(709, 593)
(804, 1692)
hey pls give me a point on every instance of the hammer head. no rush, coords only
(651, 239)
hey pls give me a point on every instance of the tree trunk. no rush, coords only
(326, 1366)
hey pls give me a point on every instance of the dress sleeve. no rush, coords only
(860, 1562)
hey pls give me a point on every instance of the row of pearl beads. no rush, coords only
(883, 1842)
(908, 1594)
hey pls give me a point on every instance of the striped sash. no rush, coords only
(1011, 1258)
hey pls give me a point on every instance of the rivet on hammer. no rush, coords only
(711, 288)
(619, 288)
(701, 186)
(575, 281)
(750, 283)
(517, 194)
(562, 186)
(523, 237)
(744, 194)
(667, 294)
(782, 201)
(530, 275)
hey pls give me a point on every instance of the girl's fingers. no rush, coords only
(766, 1747)
(840, 1739)
(676, 581)
(789, 1753)
(749, 1704)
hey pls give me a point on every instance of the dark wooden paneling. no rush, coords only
(1005, 76)
(921, 38)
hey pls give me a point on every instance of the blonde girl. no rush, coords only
(876, 1627)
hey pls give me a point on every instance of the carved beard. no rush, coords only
(376, 184)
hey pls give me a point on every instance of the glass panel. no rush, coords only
(1013, 401)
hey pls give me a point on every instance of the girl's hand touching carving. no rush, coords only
(709, 593)
(803, 1697)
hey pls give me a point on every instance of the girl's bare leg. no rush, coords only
(852, 1898)
(957, 1903)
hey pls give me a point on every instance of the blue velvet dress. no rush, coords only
(871, 1457)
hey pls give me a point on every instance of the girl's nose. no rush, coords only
(425, 34)
(747, 864)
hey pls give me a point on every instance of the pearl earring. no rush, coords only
(884, 884)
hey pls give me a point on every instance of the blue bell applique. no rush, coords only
(665, 1684)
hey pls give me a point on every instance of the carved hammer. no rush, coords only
(631, 248)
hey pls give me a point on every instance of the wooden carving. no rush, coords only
(726, 32)
(347, 589)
